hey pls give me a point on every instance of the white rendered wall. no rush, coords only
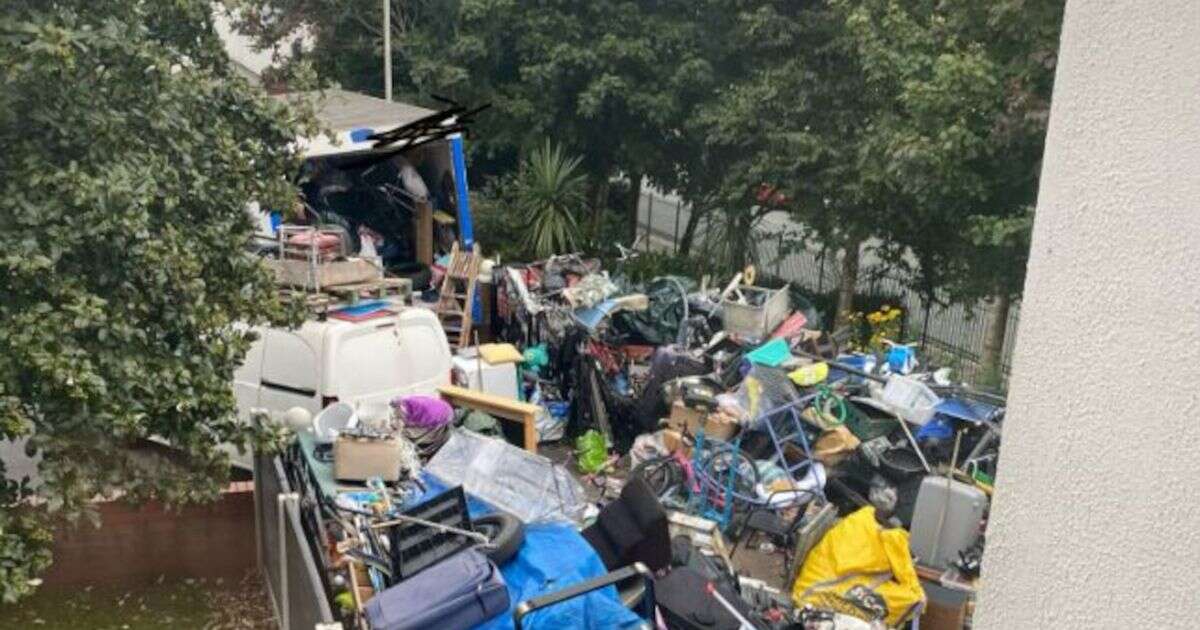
(1096, 521)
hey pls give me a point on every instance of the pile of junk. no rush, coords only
(665, 454)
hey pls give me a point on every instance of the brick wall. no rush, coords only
(135, 545)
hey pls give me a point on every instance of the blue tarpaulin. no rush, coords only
(553, 557)
(967, 410)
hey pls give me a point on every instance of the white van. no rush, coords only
(360, 363)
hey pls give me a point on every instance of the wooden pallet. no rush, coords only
(378, 289)
(458, 289)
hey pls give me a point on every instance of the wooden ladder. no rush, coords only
(458, 288)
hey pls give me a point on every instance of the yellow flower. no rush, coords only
(874, 318)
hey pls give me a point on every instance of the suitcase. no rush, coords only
(685, 604)
(963, 505)
(457, 593)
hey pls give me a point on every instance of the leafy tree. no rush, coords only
(612, 81)
(347, 34)
(960, 148)
(918, 124)
(793, 123)
(130, 152)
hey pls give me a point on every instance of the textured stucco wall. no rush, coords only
(1096, 522)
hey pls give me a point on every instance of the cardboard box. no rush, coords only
(673, 441)
(359, 458)
(716, 425)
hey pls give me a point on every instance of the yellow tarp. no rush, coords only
(860, 569)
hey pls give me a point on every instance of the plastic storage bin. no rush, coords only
(911, 399)
(764, 311)
(945, 520)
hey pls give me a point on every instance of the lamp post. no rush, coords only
(387, 50)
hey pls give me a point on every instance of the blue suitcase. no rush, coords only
(455, 594)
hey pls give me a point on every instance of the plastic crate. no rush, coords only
(766, 309)
(416, 547)
(867, 422)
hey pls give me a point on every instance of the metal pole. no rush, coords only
(458, 157)
(821, 271)
(387, 50)
(678, 209)
(282, 499)
(649, 222)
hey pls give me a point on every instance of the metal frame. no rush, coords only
(624, 573)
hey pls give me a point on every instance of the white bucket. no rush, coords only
(332, 420)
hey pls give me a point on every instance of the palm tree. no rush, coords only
(549, 189)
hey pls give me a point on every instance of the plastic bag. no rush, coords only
(551, 423)
(810, 375)
(529, 486)
(591, 451)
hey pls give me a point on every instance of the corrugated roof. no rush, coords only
(341, 110)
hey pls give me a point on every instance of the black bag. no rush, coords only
(455, 594)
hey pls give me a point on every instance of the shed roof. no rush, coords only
(342, 111)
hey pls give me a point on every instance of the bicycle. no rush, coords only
(717, 481)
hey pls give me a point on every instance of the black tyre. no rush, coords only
(505, 532)
(661, 474)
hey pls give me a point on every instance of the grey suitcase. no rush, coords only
(455, 594)
(963, 505)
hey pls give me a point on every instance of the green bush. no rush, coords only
(649, 265)
(498, 226)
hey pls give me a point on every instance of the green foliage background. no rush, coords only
(130, 153)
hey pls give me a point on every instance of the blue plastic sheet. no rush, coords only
(937, 429)
(553, 557)
(590, 318)
(966, 410)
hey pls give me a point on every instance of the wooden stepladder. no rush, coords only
(458, 290)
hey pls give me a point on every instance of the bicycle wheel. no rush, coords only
(661, 474)
(720, 465)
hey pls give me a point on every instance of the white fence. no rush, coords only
(956, 332)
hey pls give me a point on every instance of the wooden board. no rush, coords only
(423, 229)
(503, 408)
(298, 273)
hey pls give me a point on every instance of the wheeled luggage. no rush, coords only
(454, 594)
